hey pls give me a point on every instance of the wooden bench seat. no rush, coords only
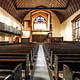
(3, 76)
(8, 77)
(15, 72)
(63, 53)
(12, 59)
(13, 54)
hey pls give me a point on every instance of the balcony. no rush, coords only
(9, 29)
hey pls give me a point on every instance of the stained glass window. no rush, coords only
(40, 23)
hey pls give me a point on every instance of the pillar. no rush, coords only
(19, 39)
(11, 37)
(31, 34)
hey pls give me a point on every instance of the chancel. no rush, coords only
(39, 40)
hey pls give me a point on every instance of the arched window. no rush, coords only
(40, 23)
(76, 28)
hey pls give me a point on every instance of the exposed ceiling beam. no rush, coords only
(42, 7)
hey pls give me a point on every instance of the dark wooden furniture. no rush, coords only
(62, 53)
(18, 53)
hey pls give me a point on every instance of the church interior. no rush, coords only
(39, 39)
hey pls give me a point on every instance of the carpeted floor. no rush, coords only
(41, 70)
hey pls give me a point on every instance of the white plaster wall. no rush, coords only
(66, 27)
(13, 20)
(5, 37)
(56, 26)
(26, 34)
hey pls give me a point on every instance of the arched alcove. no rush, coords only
(45, 14)
(52, 23)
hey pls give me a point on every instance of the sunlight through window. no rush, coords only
(40, 23)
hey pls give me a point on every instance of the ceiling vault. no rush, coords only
(42, 7)
(19, 8)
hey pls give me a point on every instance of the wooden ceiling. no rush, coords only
(19, 8)
(36, 3)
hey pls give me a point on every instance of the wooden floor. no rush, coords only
(41, 70)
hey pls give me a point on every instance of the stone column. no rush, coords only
(31, 34)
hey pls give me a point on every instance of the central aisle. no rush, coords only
(41, 70)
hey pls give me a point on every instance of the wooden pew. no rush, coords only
(49, 47)
(5, 77)
(21, 53)
(24, 59)
(56, 39)
(13, 73)
(68, 74)
(4, 42)
(9, 77)
(63, 54)
(66, 56)
(21, 48)
(73, 62)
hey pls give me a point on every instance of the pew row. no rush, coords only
(63, 53)
(18, 53)
(8, 72)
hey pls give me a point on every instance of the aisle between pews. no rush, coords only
(40, 70)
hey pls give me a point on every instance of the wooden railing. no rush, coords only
(9, 29)
(39, 38)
